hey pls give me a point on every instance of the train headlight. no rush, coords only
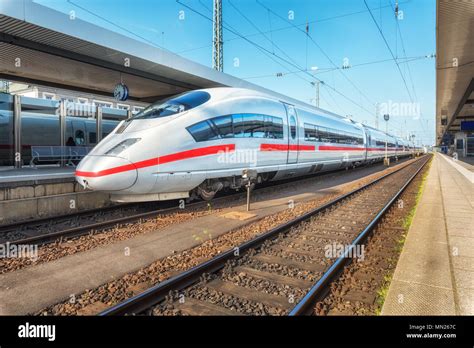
(123, 145)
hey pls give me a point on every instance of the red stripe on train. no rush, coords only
(204, 151)
(340, 148)
(348, 148)
(279, 147)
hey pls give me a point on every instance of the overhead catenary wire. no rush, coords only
(286, 27)
(117, 25)
(264, 35)
(234, 31)
(277, 56)
(390, 50)
(402, 42)
(326, 70)
(322, 51)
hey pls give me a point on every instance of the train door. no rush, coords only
(368, 141)
(292, 122)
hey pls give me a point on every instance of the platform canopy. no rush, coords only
(39, 45)
(454, 65)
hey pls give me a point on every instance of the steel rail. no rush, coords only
(157, 293)
(86, 229)
(21, 224)
(323, 283)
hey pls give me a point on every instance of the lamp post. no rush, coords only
(386, 117)
(413, 143)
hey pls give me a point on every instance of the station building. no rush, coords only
(455, 77)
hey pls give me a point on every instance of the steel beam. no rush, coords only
(17, 131)
(98, 123)
(62, 130)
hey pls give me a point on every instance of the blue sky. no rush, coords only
(340, 31)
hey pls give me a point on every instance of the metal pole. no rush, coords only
(218, 42)
(317, 93)
(62, 130)
(248, 196)
(129, 114)
(17, 130)
(98, 124)
(377, 115)
(386, 143)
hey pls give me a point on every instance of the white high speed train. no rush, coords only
(199, 142)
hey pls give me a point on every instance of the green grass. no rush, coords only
(382, 293)
(407, 221)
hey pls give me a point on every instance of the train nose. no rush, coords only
(106, 173)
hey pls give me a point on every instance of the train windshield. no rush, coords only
(174, 105)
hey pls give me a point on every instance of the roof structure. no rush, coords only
(454, 65)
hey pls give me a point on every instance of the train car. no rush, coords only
(376, 143)
(199, 142)
(40, 129)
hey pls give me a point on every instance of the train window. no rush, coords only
(254, 126)
(224, 126)
(79, 138)
(239, 125)
(331, 136)
(202, 131)
(273, 127)
(268, 124)
(259, 131)
(92, 137)
(322, 134)
(174, 105)
(277, 127)
(349, 138)
(310, 132)
(293, 127)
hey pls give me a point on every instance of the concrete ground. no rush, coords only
(47, 190)
(469, 161)
(12, 175)
(36, 287)
(435, 272)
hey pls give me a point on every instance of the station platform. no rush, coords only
(466, 162)
(10, 176)
(435, 272)
(45, 191)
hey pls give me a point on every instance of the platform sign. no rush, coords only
(467, 125)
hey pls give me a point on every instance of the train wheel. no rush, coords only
(207, 195)
(208, 190)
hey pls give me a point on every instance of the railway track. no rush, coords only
(22, 230)
(47, 230)
(283, 271)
